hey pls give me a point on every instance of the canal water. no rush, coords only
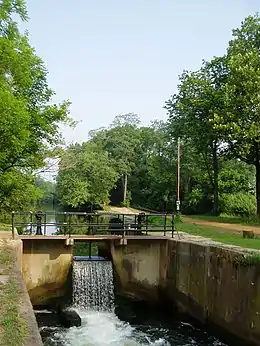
(127, 326)
(115, 321)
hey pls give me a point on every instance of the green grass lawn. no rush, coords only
(219, 234)
(228, 219)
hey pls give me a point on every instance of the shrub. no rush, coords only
(242, 204)
(196, 202)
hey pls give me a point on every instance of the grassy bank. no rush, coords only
(5, 227)
(13, 329)
(227, 219)
(219, 234)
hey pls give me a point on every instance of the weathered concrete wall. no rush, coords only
(13, 274)
(46, 269)
(215, 285)
(139, 268)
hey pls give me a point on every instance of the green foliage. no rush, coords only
(238, 124)
(242, 204)
(85, 176)
(199, 97)
(119, 141)
(29, 122)
(248, 260)
(236, 176)
(193, 200)
(215, 113)
(48, 190)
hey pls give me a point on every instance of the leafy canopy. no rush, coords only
(29, 122)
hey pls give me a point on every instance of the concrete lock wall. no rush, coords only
(139, 268)
(218, 286)
(46, 266)
(215, 285)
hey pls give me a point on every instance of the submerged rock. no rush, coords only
(69, 318)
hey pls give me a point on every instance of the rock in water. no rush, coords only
(69, 318)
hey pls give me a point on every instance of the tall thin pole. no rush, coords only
(178, 203)
(125, 189)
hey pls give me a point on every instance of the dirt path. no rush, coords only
(5, 235)
(123, 210)
(227, 226)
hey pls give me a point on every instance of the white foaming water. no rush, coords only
(93, 298)
(93, 285)
(105, 329)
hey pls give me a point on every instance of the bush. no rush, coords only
(196, 202)
(241, 204)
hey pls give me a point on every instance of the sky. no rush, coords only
(111, 57)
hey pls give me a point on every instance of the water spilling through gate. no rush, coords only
(93, 285)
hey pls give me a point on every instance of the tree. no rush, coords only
(239, 123)
(29, 122)
(120, 141)
(48, 190)
(199, 97)
(85, 176)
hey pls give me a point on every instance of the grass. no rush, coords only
(219, 234)
(228, 219)
(13, 329)
(5, 227)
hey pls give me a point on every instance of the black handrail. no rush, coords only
(117, 223)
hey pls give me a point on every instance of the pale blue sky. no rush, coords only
(116, 56)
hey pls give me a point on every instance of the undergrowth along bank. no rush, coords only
(13, 329)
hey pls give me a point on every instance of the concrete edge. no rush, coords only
(27, 313)
(25, 306)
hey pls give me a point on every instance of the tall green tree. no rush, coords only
(120, 141)
(85, 176)
(239, 124)
(199, 97)
(29, 122)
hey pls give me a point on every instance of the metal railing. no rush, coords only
(69, 223)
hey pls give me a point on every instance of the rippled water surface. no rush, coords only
(120, 322)
(107, 329)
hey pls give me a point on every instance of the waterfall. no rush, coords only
(93, 285)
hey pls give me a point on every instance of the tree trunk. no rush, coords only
(257, 166)
(215, 179)
(125, 188)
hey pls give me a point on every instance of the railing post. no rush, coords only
(45, 221)
(31, 228)
(165, 220)
(65, 222)
(69, 225)
(97, 228)
(89, 250)
(38, 216)
(173, 224)
(13, 224)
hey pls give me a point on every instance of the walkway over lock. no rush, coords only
(82, 226)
